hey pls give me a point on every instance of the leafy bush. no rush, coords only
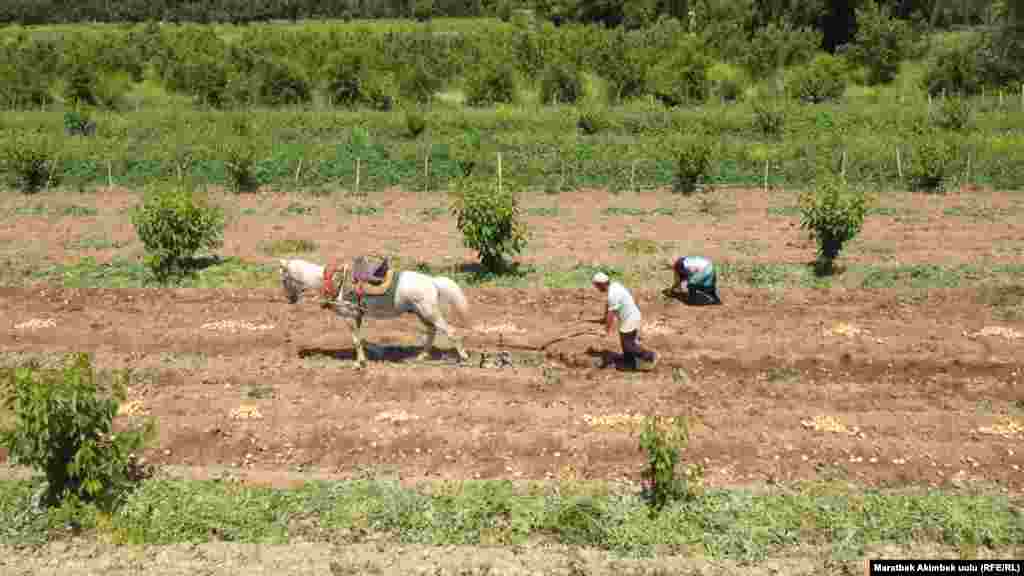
(239, 154)
(79, 123)
(624, 64)
(727, 81)
(664, 439)
(591, 120)
(492, 84)
(30, 160)
(282, 83)
(417, 82)
(834, 213)
(173, 224)
(881, 42)
(954, 69)
(822, 80)
(693, 158)
(489, 222)
(776, 46)
(352, 82)
(931, 162)
(952, 113)
(63, 425)
(561, 83)
(682, 78)
(22, 83)
(769, 117)
(415, 122)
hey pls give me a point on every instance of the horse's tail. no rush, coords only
(452, 295)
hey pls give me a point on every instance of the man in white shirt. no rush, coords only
(621, 305)
(699, 274)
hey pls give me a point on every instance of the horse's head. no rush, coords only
(293, 288)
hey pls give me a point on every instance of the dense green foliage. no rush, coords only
(63, 426)
(833, 212)
(174, 223)
(490, 222)
(568, 105)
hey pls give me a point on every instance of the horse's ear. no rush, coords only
(284, 265)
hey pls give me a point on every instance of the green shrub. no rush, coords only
(822, 80)
(591, 120)
(693, 159)
(664, 439)
(79, 123)
(954, 69)
(489, 220)
(282, 83)
(681, 78)
(833, 212)
(352, 82)
(30, 160)
(624, 65)
(22, 84)
(492, 84)
(727, 81)
(63, 426)
(174, 223)
(415, 122)
(931, 162)
(769, 117)
(881, 43)
(417, 82)
(776, 46)
(952, 113)
(561, 83)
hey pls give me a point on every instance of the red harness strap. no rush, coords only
(328, 290)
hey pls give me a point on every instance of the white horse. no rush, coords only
(414, 293)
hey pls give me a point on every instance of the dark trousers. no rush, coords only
(703, 296)
(631, 349)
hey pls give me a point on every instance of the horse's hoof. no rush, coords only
(423, 356)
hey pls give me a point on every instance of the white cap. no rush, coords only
(600, 278)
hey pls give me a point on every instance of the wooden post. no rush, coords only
(1000, 97)
(842, 168)
(499, 172)
(899, 165)
(357, 177)
(110, 175)
(632, 177)
(426, 172)
(968, 167)
(766, 176)
(298, 172)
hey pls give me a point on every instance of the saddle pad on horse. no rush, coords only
(361, 282)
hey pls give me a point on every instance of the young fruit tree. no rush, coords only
(63, 426)
(173, 224)
(834, 213)
(489, 221)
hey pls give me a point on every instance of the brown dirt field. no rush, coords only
(857, 384)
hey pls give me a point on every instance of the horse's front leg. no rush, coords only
(357, 339)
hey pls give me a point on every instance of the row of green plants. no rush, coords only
(363, 66)
(889, 145)
(62, 425)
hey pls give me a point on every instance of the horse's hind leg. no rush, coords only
(428, 343)
(449, 332)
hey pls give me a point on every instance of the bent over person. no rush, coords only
(621, 305)
(699, 274)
